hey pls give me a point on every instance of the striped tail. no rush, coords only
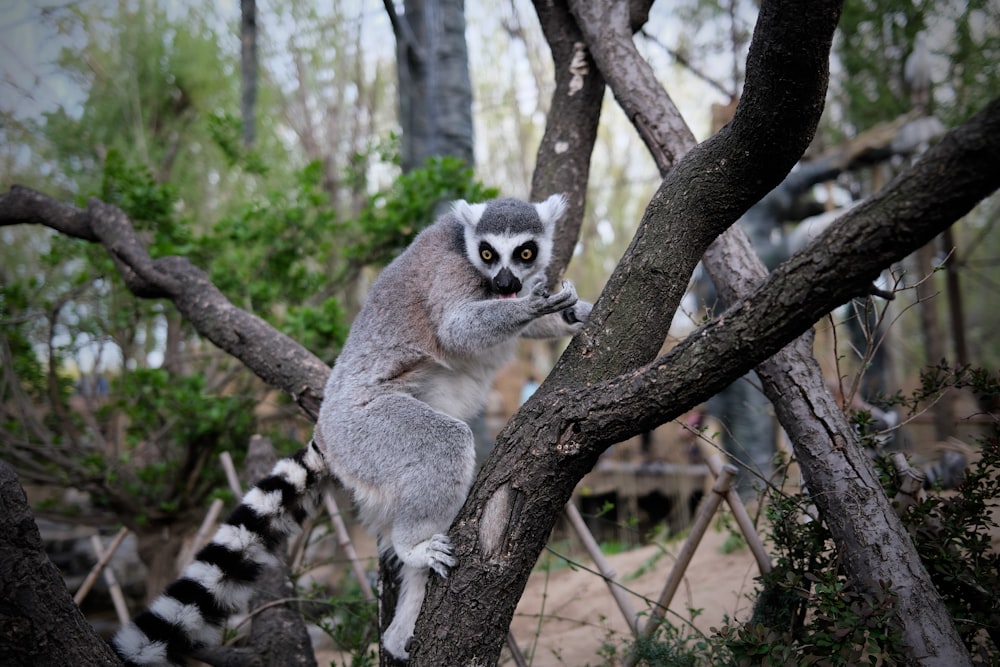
(220, 581)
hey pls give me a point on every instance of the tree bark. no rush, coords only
(558, 435)
(435, 91)
(608, 387)
(563, 160)
(39, 623)
(248, 70)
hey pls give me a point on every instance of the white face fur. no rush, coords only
(511, 244)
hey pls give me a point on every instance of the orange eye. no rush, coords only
(527, 254)
(486, 254)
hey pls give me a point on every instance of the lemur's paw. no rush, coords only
(439, 556)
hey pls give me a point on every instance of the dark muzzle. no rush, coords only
(506, 283)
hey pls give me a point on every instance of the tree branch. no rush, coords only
(558, 434)
(711, 186)
(274, 357)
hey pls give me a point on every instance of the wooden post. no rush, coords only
(706, 511)
(102, 562)
(603, 566)
(743, 519)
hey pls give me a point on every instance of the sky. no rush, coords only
(30, 84)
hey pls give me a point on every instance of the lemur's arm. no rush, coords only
(477, 325)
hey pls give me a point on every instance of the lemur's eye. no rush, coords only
(527, 252)
(486, 252)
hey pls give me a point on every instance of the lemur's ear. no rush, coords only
(551, 210)
(469, 214)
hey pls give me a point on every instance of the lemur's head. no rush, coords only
(508, 240)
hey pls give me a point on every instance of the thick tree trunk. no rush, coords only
(39, 623)
(511, 500)
(435, 91)
(248, 70)
(558, 434)
(872, 540)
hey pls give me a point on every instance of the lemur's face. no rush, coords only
(508, 261)
(509, 241)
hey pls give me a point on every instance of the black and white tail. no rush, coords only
(220, 581)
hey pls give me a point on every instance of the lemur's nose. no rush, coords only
(506, 282)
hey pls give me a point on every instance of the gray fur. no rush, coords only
(419, 363)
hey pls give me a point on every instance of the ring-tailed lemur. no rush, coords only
(437, 325)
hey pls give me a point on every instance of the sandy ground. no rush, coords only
(567, 614)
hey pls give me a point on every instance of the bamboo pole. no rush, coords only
(603, 566)
(114, 588)
(102, 562)
(204, 532)
(231, 476)
(709, 506)
(743, 520)
(344, 540)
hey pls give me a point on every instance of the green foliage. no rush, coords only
(175, 426)
(391, 218)
(287, 256)
(937, 378)
(151, 82)
(274, 250)
(807, 613)
(953, 535)
(348, 619)
(876, 36)
(149, 204)
(668, 647)
(226, 130)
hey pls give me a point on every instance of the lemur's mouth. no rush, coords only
(512, 295)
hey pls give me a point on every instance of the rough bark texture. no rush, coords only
(563, 160)
(39, 623)
(500, 531)
(707, 191)
(557, 436)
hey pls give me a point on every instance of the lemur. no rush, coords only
(419, 361)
